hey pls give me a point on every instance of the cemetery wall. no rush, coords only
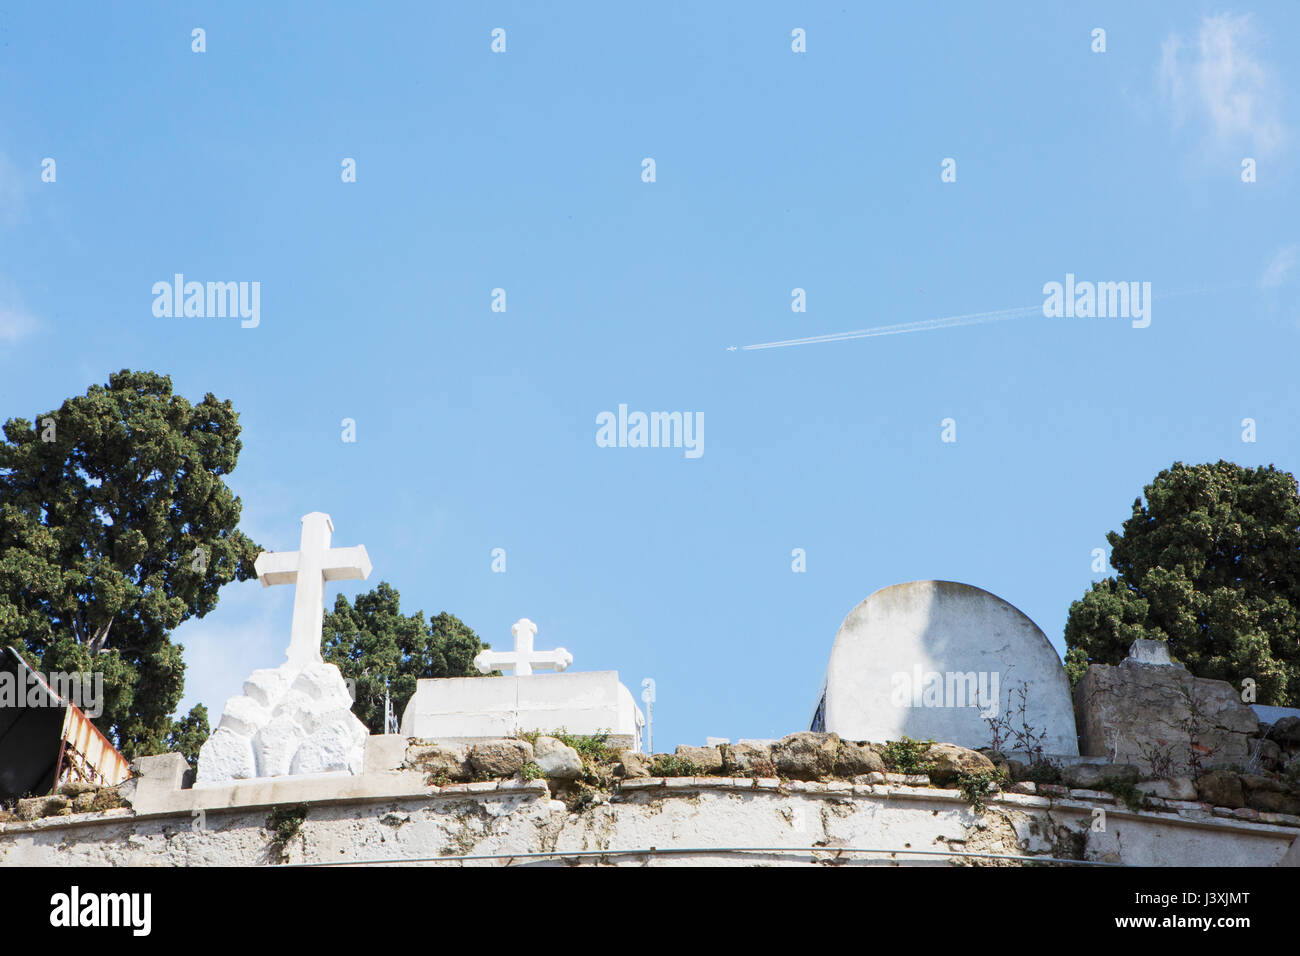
(397, 815)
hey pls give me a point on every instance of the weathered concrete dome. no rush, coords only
(934, 659)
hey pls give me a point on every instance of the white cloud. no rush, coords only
(16, 323)
(1219, 84)
(1280, 267)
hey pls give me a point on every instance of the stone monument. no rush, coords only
(941, 660)
(1149, 710)
(470, 709)
(296, 718)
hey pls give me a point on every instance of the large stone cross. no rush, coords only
(523, 658)
(314, 563)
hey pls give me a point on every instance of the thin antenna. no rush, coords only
(390, 718)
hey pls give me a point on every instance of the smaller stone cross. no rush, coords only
(523, 658)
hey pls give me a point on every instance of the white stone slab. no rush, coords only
(475, 708)
(923, 659)
(1153, 653)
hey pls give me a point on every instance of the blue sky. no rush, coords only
(774, 170)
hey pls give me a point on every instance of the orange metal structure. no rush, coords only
(83, 753)
(86, 755)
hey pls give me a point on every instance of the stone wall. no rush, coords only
(463, 823)
(616, 809)
(1158, 717)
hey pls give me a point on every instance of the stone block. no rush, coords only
(1286, 730)
(1154, 653)
(556, 759)
(33, 808)
(948, 762)
(854, 759)
(1175, 788)
(706, 759)
(1124, 710)
(1088, 775)
(500, 758)
(805, 756)
(167, 771)
(1264, 754)
(441, 761)
(633, 764)
(1221, 788)
(1095, 796)
(227, 756)
(1272, 801)
(748, 758)
(384, 752)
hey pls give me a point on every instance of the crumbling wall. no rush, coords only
(1161, 719)
(807, 799)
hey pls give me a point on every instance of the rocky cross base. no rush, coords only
(289, 720)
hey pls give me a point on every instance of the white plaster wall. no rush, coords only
(943, 627)
(686, 813)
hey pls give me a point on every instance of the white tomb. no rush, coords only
(469, 709)
(937, 660)
(296, 718)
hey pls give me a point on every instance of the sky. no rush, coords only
(774, 170)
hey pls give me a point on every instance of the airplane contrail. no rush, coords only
(949, 321)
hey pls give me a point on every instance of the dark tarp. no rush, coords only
(30, 736)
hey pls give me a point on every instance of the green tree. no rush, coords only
(115, 526)
(189, 733)
(1210, 563)
(372, 641)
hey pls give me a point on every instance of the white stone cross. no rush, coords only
(523, 658)
(314, 563)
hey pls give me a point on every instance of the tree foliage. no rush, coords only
(116, 525)
(189, 733)
(372, 641)
(1210, 563)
